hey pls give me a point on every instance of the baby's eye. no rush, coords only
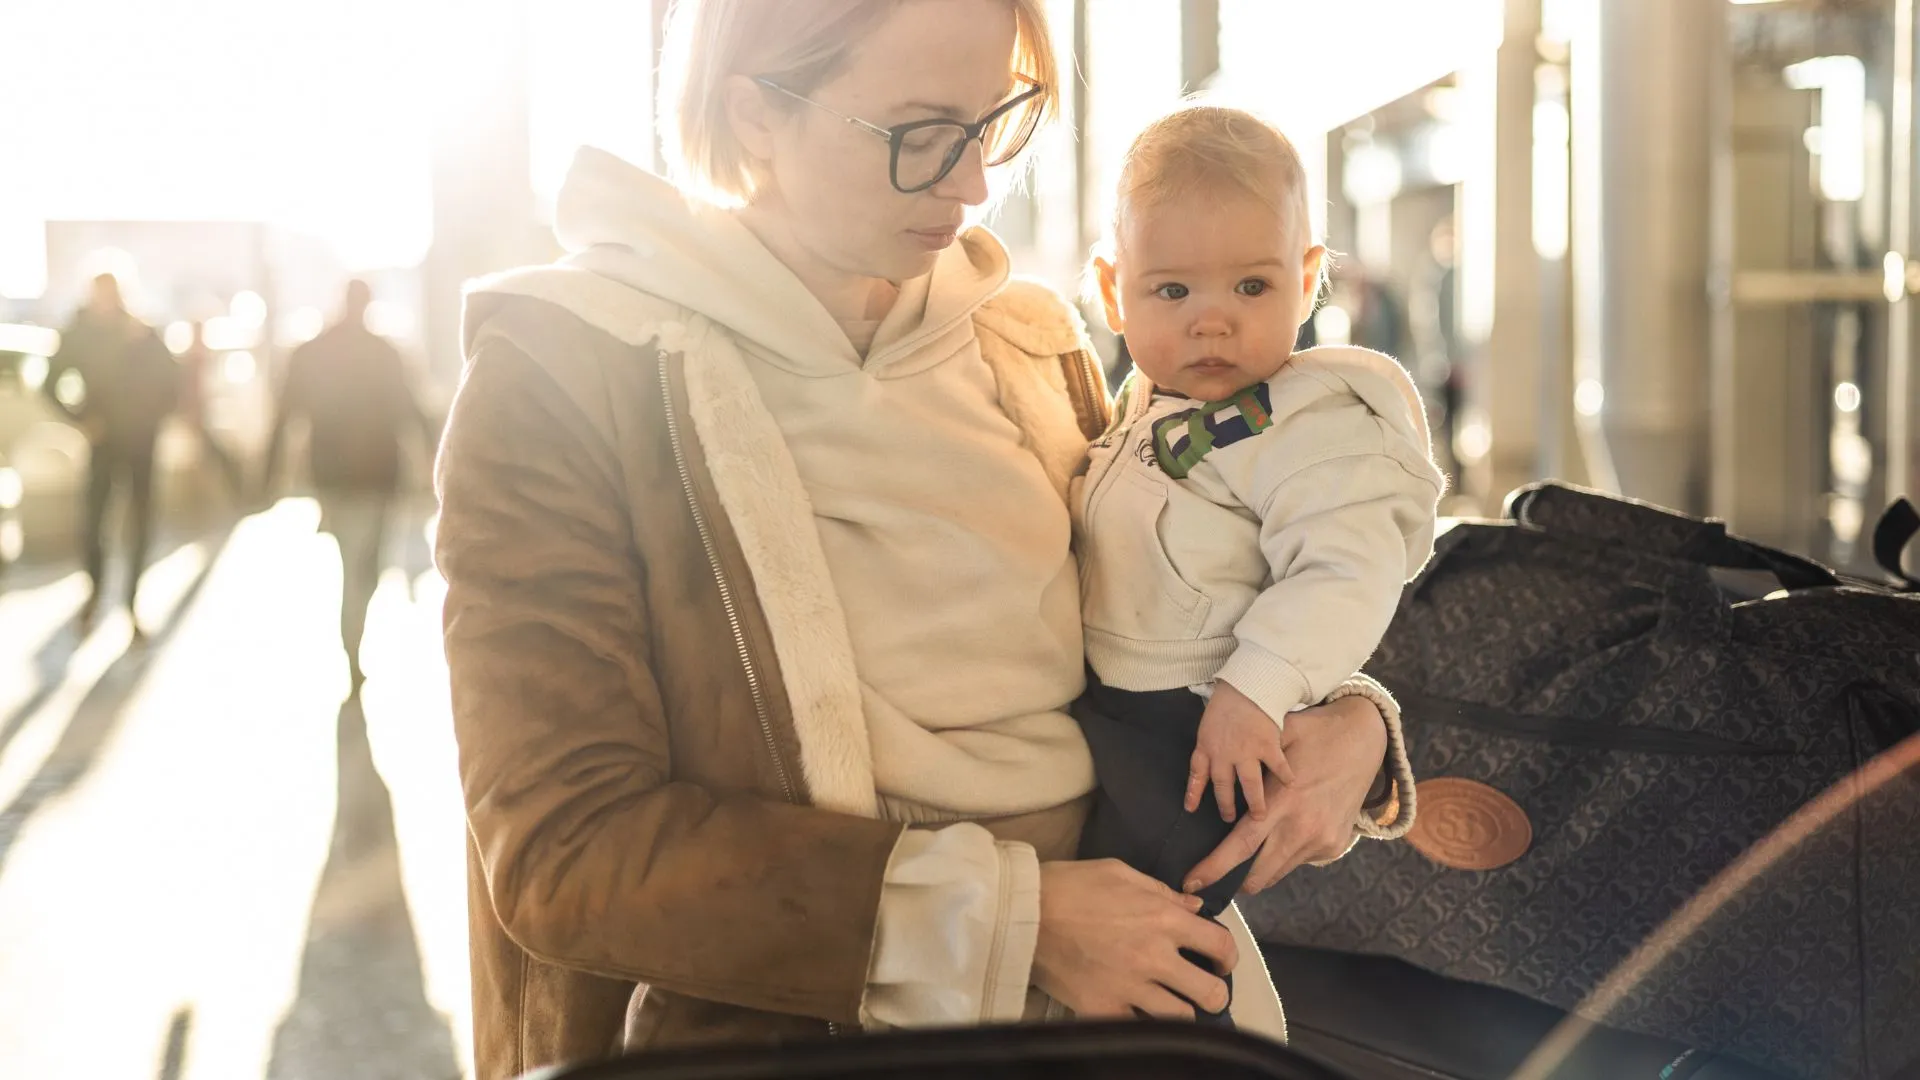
(1252, 287)
(1173, 290)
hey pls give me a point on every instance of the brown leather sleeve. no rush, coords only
(596, 857)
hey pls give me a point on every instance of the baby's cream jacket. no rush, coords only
(1263, 540)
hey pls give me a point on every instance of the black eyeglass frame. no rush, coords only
(897, 135)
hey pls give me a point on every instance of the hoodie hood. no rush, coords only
(629, 225)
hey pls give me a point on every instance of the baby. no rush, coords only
(1247, 522)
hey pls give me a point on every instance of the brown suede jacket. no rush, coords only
(651, 863)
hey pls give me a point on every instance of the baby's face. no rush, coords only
(1210, 290)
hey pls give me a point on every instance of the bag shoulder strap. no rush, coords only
(1592, 517)
(1897, 528)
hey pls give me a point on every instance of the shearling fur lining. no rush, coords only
(1024, 321)
(762, 496)
(766, 502)
(1033, 318)
(1034, 396)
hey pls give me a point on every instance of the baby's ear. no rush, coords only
(1106, 277)
(1313, 274)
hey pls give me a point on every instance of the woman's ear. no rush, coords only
(751, 117)
(1108, 276)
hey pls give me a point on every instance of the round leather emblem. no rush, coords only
(1466, 825)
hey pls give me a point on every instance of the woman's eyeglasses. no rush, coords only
(923, 152)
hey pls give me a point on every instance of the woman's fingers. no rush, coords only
(1160, 1003)
(1211, 940)
(1240, 845)
(1194, 982)
(1110, 943)
(1275, 759)
(1281, 855)
(1256, 791)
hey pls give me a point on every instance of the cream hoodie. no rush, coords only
(946, 536)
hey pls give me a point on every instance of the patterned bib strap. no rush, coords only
(1185, 438)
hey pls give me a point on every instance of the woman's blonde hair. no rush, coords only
(1208, 147)
(800, 46)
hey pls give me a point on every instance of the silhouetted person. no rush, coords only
(131, 385)
(351, 387)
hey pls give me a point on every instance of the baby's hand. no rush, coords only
(1236, 738)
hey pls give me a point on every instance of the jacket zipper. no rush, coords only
(1089, 384)
(1421, 708)
(720, 579)
(1119, 427)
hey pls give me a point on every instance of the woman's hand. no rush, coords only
(1335, 750)
(1110, 941)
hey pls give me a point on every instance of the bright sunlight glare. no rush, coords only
(309, 114)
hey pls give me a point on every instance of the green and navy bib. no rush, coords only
(1184, 439)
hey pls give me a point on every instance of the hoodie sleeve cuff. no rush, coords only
(953, 945)
(1267, 680)
(1393, 821)
(1010, 964)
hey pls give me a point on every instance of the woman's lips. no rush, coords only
(934, 239)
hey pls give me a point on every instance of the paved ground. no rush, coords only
(212, 863)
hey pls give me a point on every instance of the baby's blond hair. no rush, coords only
(1206, 147)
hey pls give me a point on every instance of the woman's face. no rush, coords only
(829, 180)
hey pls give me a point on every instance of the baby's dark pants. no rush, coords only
(1142, 743)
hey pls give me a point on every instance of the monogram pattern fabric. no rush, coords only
(1654, 731)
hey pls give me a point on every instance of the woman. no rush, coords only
(762, 614)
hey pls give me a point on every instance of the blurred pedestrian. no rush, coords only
(129, 384)
(351, 387)
(194, 363)
(1436, 328)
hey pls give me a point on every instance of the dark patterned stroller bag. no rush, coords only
(1614, 703)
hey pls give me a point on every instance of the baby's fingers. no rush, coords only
(1255, 787)
(1223, 779)
(1198, 770)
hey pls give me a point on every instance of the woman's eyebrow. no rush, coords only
(955, 112)
(945, 112)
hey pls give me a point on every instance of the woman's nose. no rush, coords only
(968, 180)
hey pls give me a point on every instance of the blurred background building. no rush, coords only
(1663, 247)
(1654, 246)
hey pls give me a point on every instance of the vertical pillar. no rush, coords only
(483, 204)
(1897, 473)
(1199, 43)
(1087, 229)
(1646, 73)
(1515, 358)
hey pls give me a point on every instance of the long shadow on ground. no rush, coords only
(362, 1008)
(97, 716)
(50, 660)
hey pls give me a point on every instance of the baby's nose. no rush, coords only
(1211, 324)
